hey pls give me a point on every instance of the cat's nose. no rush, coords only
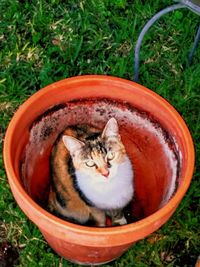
(105, 173)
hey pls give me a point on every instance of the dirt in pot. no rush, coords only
(153, 152)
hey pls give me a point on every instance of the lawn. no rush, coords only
(43, 41)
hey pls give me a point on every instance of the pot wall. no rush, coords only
(105, 243)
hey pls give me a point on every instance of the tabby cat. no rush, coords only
(92, 175)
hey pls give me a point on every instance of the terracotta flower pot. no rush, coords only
(157, 141)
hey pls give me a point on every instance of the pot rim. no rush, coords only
(42, 213)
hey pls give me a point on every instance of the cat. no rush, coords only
(92, 176)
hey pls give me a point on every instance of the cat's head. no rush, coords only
(99, 156)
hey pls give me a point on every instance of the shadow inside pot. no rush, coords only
(153, 151)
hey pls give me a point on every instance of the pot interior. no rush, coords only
(151, 148)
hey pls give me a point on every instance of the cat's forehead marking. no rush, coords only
(97, 148)
(94, 148)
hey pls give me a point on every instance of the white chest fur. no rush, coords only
(109, 193)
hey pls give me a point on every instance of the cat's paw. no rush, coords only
(120, 221)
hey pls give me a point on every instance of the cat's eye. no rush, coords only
(110, 155)
(90, 163)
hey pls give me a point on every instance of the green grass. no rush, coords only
(42, 41)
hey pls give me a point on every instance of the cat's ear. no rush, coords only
(111, 129)
(72, 144)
